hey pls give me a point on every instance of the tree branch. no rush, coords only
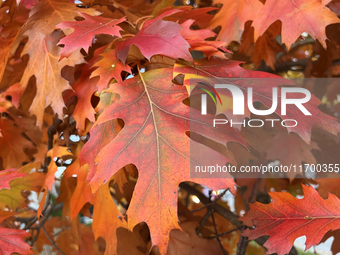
(216, 207)
(52, 241)
(243, 242)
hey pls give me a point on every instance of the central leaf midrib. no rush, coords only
(157, 141)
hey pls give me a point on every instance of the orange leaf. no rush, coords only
(232, 17)
(109, 67)
(106, 219)
(297, 16)
(44, 64)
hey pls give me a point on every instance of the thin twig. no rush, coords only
(243, 242)
(204, 220)
(196, 210)
(52, 241)
(223, 233)
(217, 236)
(35, 238)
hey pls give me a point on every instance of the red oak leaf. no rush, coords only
(154, 140)
(92, 26)
(200, 15)
(157, 37)
(287, 218)
(12, 240)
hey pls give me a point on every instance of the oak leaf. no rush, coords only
(188, 242)
(196, 39)
(12, 240)
(83, 88)
(297, 16)
(109, 67)
(15, 143)
(16, 196)
(232, 17)
(157, 37)
(154, 139)
(328, 185)
(105, 217)
(44, 64)
(82, 193)
(49, 13)
(85, 30)
(287, 218)
(201, 16)
(7, 42)
(6, 176)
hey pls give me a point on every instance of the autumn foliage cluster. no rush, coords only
(95, 126)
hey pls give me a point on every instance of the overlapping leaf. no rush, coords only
(48, 13)
(232, 17)
(20, 188)
(13, 140)
(196, 39)
(44, 64)
(154, 139)
(297, 16)
(44, 53)
(12, 240)
(157, 37)
(287, 218)
(92, 26)
(109, 67)
(105, 217)
(6, 176)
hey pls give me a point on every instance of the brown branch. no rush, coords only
(223, 233)
(52, 241)
(243, 242)
(217, 235)
(196, 210)
(204, 220)
(224, 212)
(35, 238)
